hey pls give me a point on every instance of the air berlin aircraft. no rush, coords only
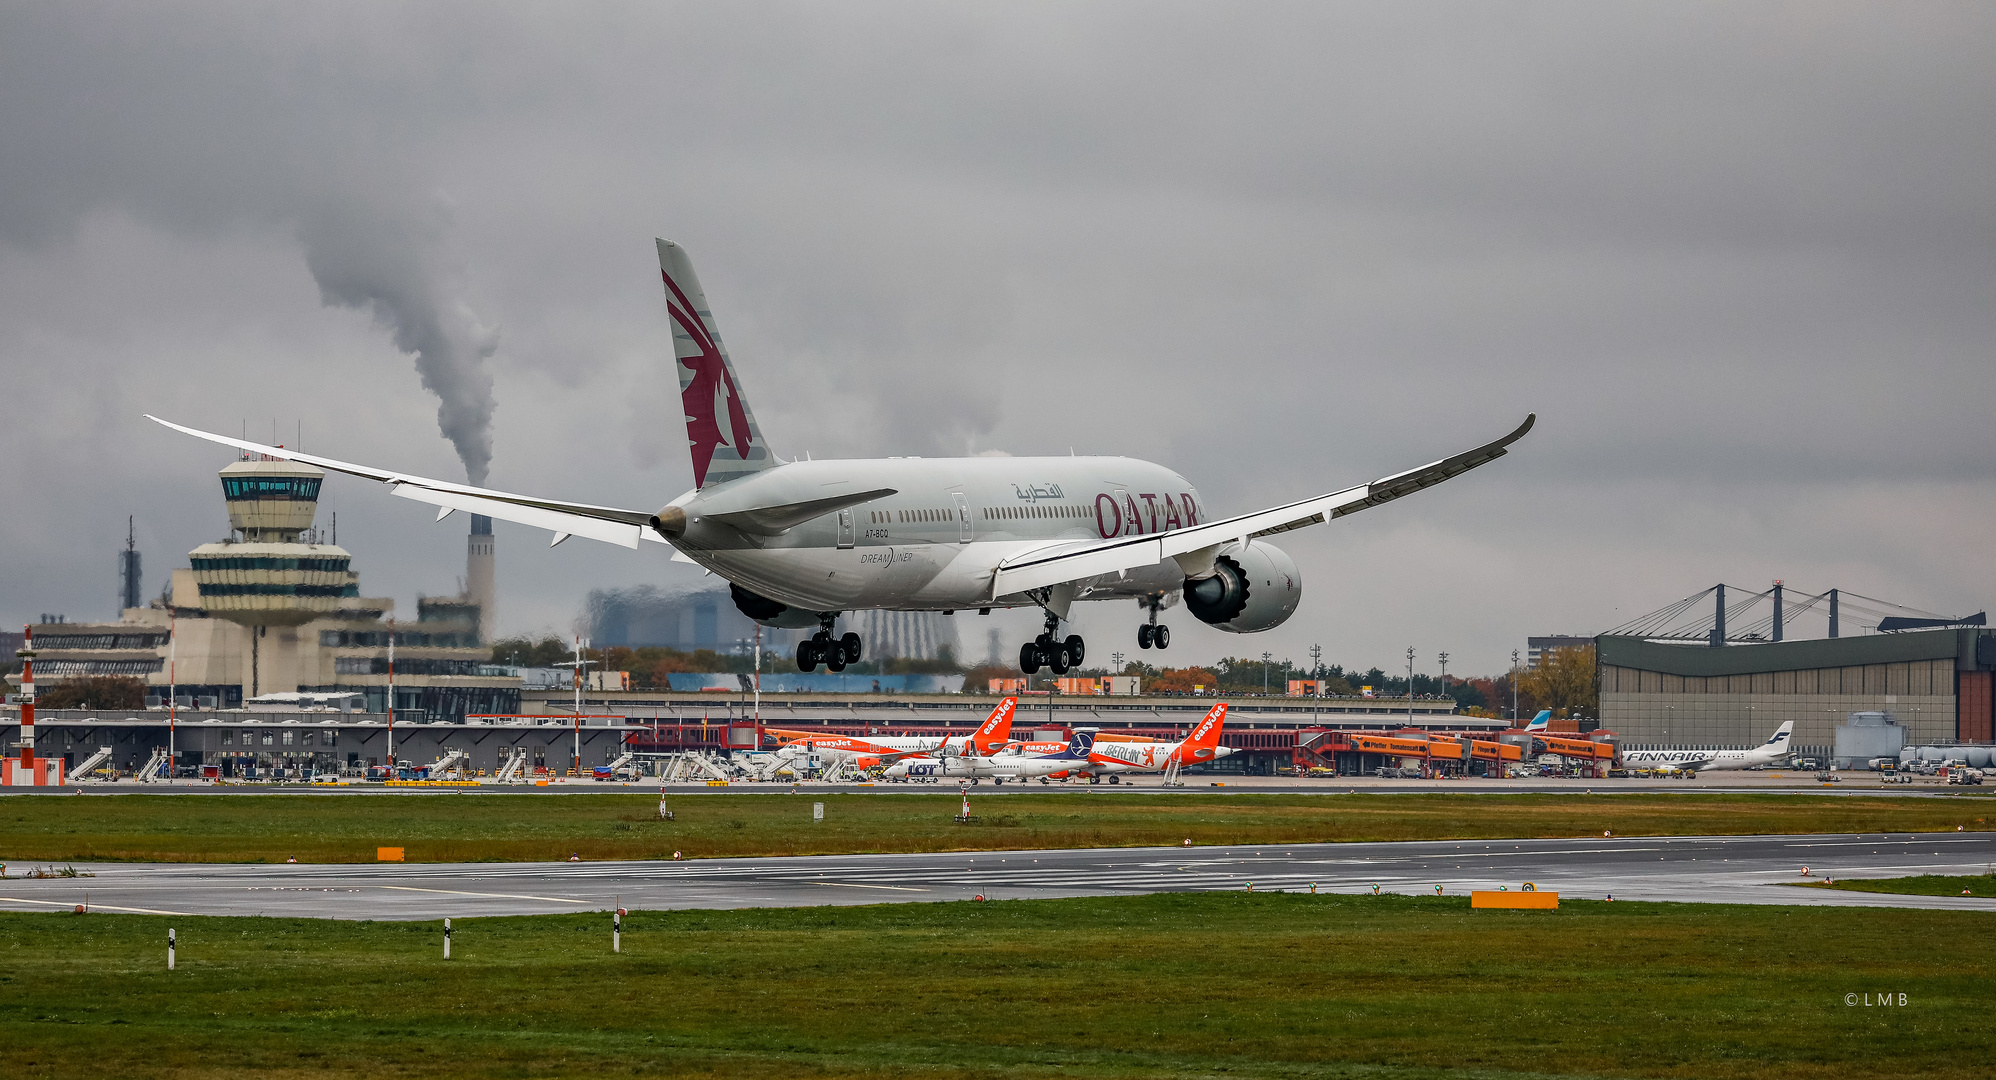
(1107, 758)
(803, 542)
(869, 750)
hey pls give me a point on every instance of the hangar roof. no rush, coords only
(1701, 661)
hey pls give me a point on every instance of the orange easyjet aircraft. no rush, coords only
(1108, 757)
(869, 750)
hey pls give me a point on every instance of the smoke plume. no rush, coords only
(393, 264)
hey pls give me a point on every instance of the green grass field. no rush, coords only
(449, 827)
(1284, 985)
(1918, 885)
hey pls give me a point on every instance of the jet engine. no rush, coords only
(1254, 589)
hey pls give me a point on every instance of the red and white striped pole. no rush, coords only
(27, 654)
(391, 700)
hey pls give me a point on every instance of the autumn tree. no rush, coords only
(1565, 682)
(95, 692)
(1182, 680)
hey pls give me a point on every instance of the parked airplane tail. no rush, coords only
(720, 430)
(997, 729)
(1207, 734)
(1781, 734)
(1540, 722)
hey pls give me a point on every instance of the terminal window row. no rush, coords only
(51, 668)
(100, 641)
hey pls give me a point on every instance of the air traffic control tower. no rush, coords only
(272, 571)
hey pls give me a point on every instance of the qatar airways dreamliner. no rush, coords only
(803, 542)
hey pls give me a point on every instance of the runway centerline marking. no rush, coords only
(850, 885)
(492, 895)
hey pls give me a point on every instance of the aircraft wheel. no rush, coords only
(837, 661)
(1057, 660)
(1076, 649)
(852, 646)
(1162, 636)
(1144, 636)
(1115, 780)
(1029, 658)
(807, 657)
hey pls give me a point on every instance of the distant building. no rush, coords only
(1539, 647)
(272, 610)
(907, 635)
(703, 617)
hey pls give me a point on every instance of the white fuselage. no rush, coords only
(934, 544)
(1121, 757)
(1004, 766)
(1698, 760)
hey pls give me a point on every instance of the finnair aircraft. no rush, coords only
(803, 542)
(1772, 752)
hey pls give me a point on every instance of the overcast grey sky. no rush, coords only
(1740, 258)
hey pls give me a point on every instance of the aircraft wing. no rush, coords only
(606, 523)
(1196, 547)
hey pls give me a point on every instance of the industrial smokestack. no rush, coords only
(478, 583)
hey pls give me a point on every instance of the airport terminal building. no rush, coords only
(1936, 684)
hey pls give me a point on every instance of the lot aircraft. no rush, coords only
(803, 542)
(1010, 763)
(1772, 752)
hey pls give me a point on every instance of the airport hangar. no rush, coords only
(1935, 683)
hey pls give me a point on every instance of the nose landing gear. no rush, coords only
(1055, 655)
(834, 653)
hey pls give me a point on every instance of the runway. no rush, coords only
(1728, 869)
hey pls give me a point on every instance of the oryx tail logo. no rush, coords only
(707, 389)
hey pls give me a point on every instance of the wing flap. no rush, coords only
(1057, 563)
(610, 532)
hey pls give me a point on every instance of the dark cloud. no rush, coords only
(1738, 257)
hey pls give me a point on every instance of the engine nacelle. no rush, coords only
(769, 612)
(1250, 590)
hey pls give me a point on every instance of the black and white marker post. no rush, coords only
(169, 948)
(617, 927)
(446, 939)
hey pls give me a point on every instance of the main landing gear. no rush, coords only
(1056, 656)
(1150, 634)
(834, 653)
